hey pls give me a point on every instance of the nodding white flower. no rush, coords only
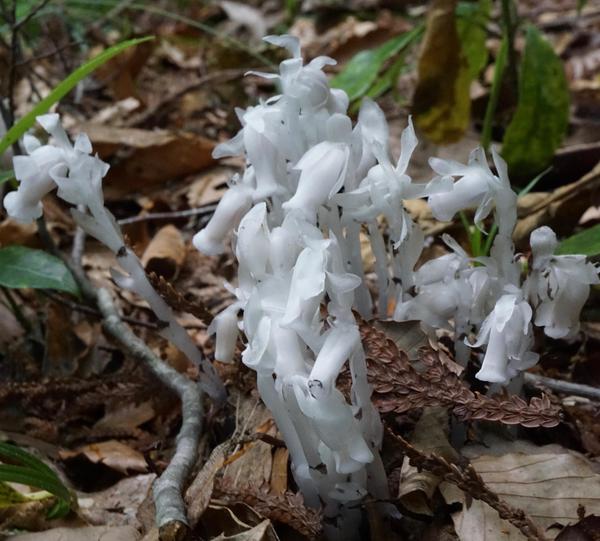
(34, 170)
(340, 342)
(230, 210)
(374, 132)
(305, 83)
(269, 164)
(322, 173)
(559, 285)
(476, 187)
(508, 337)
(386, 186)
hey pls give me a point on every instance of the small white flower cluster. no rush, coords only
(78, 176)
(312, 185)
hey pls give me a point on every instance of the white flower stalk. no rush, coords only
(559, 285)
(78, 176)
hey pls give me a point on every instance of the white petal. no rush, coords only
(291, 43)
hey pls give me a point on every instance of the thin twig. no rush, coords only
(577, 389)
(16, 309)
(76, 307)
(49, 54)
(32, 12)
(208, 209)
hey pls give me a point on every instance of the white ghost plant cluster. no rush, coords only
(314, 188)
(314, 184)
(78, 176)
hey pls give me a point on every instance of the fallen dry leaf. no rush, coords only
(547, 485)
(560, 209)
(112, 453)
(166, 253)
(441, 102)
(585, 530)
(91, 533)
(252, 464)
(279, 471)
(229, 521)
(209, 187)
(200, 491)
(120, 72)
(126, 417)
(117, 505)
(257, 533)
(429, 436)
(13, 232)
(152, 157)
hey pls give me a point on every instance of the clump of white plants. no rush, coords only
(314, 182)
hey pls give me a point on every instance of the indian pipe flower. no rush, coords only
(34, 171)
(559, 285)
(508, 337)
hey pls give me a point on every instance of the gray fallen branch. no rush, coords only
(171, 517)
(577, 389)
(167, 488)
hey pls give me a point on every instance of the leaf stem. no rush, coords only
(490, 111)
(14, 306)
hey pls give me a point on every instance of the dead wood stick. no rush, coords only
(171, 517)
(560, 386)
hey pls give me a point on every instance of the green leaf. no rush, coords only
(360, 73)
(542, 114)
(471, 23)
(24, 267)
(441, 102)
(26, 469)
(586, 242)
(5, 176)
(33, 478)
(64, 88)
(13, 453)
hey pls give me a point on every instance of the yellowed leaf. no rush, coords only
(441, 102)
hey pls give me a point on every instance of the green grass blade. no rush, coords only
(64, 88)
(33, 478)
(16, 454)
